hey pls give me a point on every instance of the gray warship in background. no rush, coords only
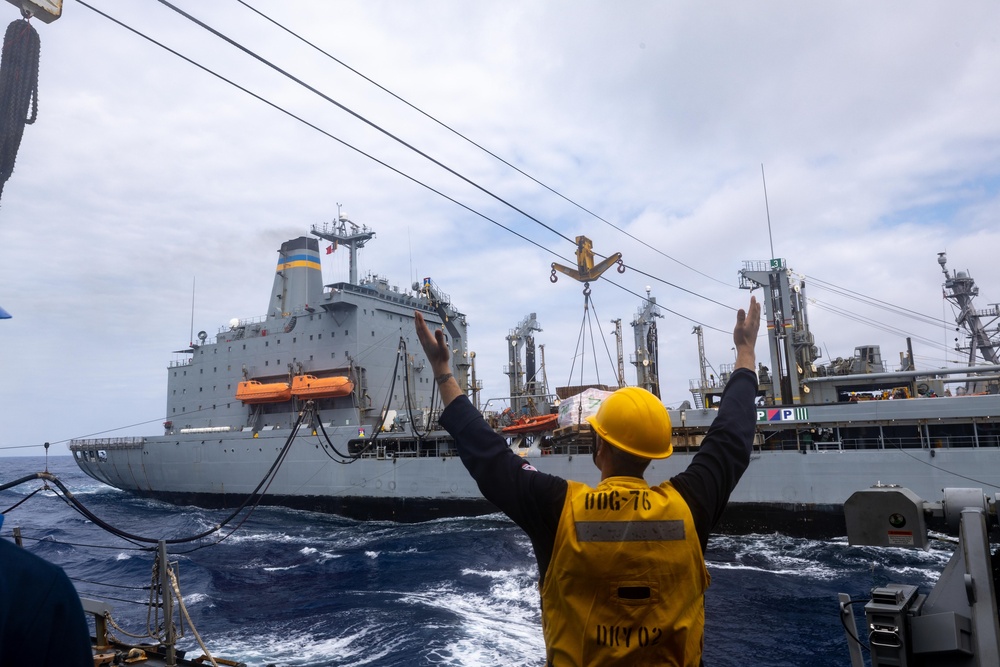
(326, 403)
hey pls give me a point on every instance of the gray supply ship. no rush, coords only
(326, 403)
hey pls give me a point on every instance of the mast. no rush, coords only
(961, 289)
(338, 234)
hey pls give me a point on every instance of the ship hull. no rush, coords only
(797, 492)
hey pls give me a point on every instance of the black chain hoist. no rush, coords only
(18, 91)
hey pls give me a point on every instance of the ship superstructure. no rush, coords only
(345, 336)
(340, 360)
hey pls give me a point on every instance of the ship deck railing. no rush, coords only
(409, 448)
(877, 443)
(570, 449)
(107, 443)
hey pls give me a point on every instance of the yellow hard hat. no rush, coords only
(634, 420)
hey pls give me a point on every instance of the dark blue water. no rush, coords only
(296, 588)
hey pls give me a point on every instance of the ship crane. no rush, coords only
(699, 396)
(792, 345)
(522, 391)
(441, 303)
(647, 354)
(618, 345)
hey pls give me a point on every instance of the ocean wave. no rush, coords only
(196, 598)
(821, 559)
(356, 644)
(499, 627)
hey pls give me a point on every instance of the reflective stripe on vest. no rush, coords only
(627, 578)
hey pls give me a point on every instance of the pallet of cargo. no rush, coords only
(572, 429)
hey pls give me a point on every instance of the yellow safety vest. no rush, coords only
(626, 583)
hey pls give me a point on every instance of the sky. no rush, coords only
(150, 196)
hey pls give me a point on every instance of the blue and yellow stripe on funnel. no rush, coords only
(301, 260)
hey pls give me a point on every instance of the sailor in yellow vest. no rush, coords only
(622, 566)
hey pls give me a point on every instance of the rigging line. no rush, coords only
(474, 143)
(853, 634)
(377, 428)
(82, 512)
(385, 409)
(588, 329)
(259, 497)
(664, 308)
(863, 297)
(82, 509)
(88, 435)
(950, 472)
(253, 508)
(108, 597)
(577, 351)
(364, 120)
(348, 458)
(607, 350)
(101, 583)
(589, 333)
(923, 319)
(854, 315)
(22, 500)
(678, 287)
(408, 393)
(344, 143)
(590, 325)
(875, 324)
(355, 149)
(83, 544)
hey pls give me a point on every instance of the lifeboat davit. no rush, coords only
(310, 386)
(532, 424)
(252, 392)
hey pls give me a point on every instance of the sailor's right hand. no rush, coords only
(434, 345)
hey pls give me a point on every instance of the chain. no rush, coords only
(18, 91)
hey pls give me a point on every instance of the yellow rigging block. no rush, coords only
(586, 270)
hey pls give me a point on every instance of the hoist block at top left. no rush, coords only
(47, 11)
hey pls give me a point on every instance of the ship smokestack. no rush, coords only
(298, 280)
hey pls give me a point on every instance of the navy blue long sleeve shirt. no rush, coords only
(534, 500)
(41, 617)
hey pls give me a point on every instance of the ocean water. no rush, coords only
(297, 588)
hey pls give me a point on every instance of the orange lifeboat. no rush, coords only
(310, 386)
(252, 392)
(532, 424)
